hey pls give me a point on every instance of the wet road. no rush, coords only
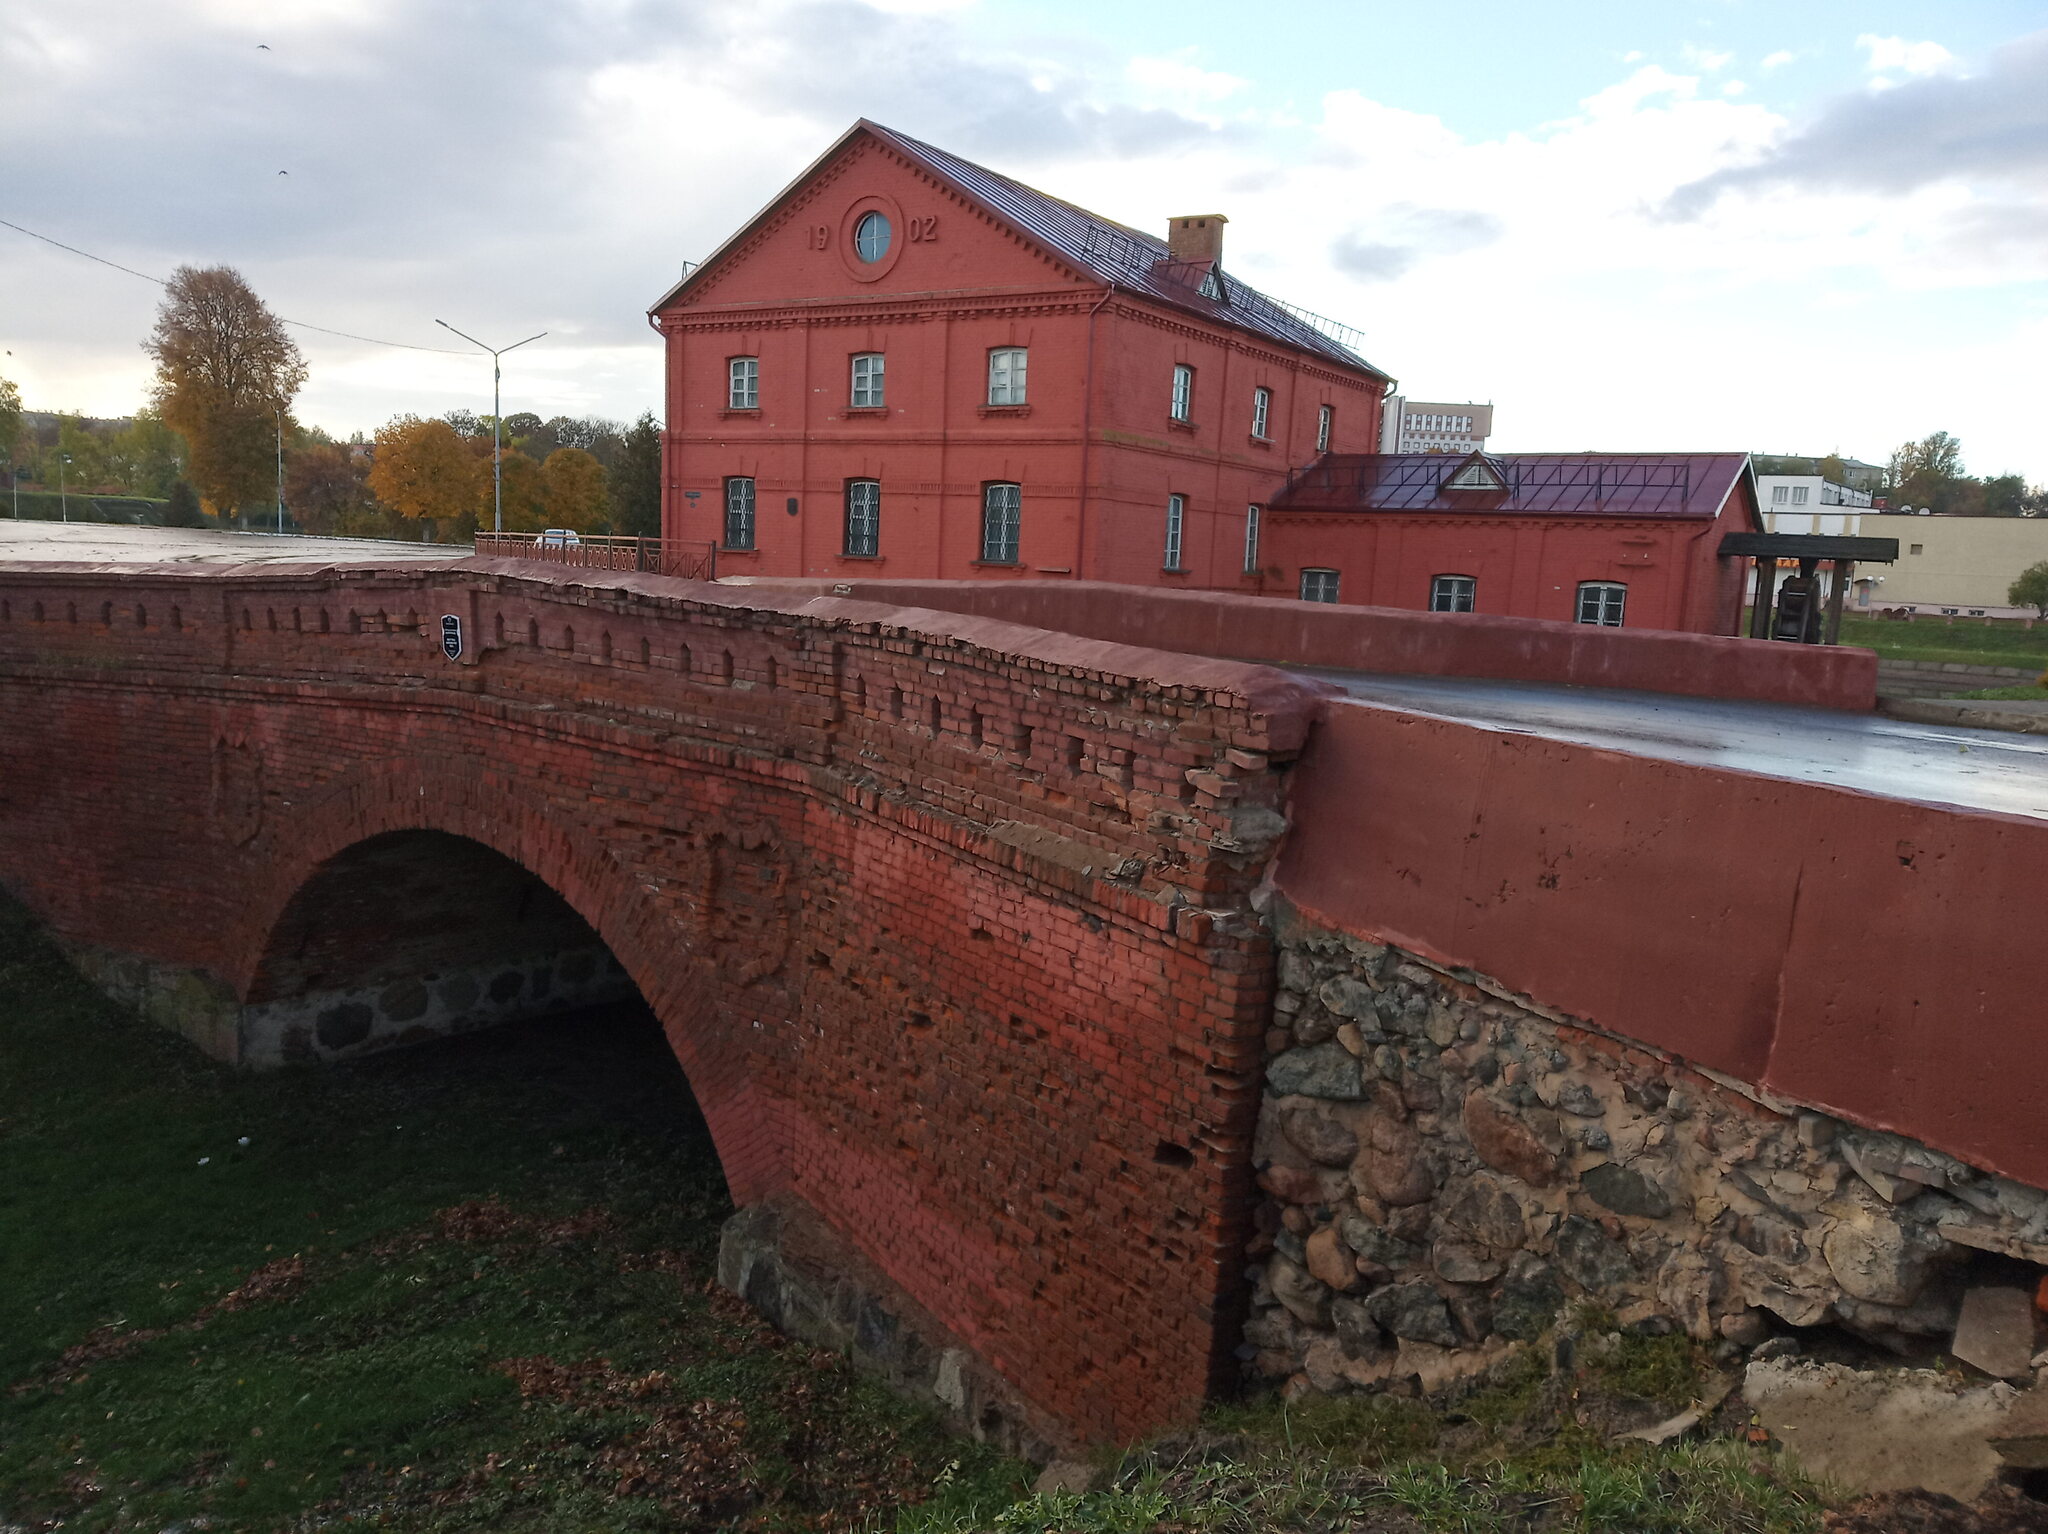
(95, 543)
(1931, 764)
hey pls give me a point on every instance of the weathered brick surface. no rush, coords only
(943, 916)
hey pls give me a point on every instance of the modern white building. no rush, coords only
(1423, 426)
(1807, 503)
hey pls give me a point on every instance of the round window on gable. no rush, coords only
(871, 237)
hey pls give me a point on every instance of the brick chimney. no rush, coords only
(1195, 237)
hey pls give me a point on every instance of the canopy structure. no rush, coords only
(1792, 611)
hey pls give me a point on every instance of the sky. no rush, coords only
(1801, 226)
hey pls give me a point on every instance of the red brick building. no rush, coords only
(1617, 539)
(909, 365)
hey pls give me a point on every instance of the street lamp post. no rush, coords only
(497, 421)
(63, 495)
(279, 413)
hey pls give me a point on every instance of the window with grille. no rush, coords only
(1324, 418)
(1176, 516)
(739, 513)
(1001, 515)
(1183, 392)
(1319, 585)
(1006, 375)
(1452, 593)
(867, 381)
(1602, 602)
(863, 517)
(743, 383)
(1262, 411)
(1251, 539)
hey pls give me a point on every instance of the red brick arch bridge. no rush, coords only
(955, 923)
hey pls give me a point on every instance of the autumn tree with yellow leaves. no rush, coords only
(425, 470)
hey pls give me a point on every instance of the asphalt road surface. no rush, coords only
(98, 543)
(1929, 763)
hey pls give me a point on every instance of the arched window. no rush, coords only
(867, 381)
(743, 383)
(1001, 523)
(863, 518)
(1602, 602)
(1251, 539)
(1452, 593)
(1006, 375)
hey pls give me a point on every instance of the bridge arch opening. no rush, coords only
(418, 934)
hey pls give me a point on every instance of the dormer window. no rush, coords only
(1210, 287)
(1475, 474)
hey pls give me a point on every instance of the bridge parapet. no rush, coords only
(945, 917)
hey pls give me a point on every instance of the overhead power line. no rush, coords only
(446, 351)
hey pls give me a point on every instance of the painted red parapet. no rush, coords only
(1396, 641)
(1854, 953)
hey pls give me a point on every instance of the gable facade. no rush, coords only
(977, 395)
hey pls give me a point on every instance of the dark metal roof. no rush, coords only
(1136, 262)
(1882, 551)
(1675, 485)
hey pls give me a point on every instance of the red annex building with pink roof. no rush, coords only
(1613, 539)
(910, 367)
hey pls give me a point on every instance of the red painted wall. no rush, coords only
(1094, 449)
(1527, 566)
(965, 1048)
(1855, 953)
(1287, 632)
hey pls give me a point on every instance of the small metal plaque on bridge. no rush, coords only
(451, 636)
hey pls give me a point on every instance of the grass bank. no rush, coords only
(463, 1287)
(1969, 642)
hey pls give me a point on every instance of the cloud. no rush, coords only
(1176, 76)
(1706, 60)
(1939, 128)
(1404, 234)
(1896, 53)
(1776, 60)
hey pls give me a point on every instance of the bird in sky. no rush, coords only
(284, 173)
(265, 47)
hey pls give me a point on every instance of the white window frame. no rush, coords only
(743, 383)
(1262, 412)
(1325, 418)
(869, 391)
(1251, 539)
(1318, 585)
(863, 526)
(1176, 527)
(1183, 391)
(739, 511)
(1006, 375)
(878, 221)
(1453, 593)
(1799, 495)
(1602, 603)
(1002, 522)
(1780, 494)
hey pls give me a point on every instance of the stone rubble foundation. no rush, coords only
(1446, 1166)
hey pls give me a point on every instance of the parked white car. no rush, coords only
(559, 538)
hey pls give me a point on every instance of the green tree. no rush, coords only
(181, 509)
(522, 490)
(424, 471)
(2031, 589)
(10, 421)
(2005, 495)
(146, 456)
(86, 449)
(1926, 473)
(573, 490)
(636, 482)
(224, 366)
(1833, 470)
